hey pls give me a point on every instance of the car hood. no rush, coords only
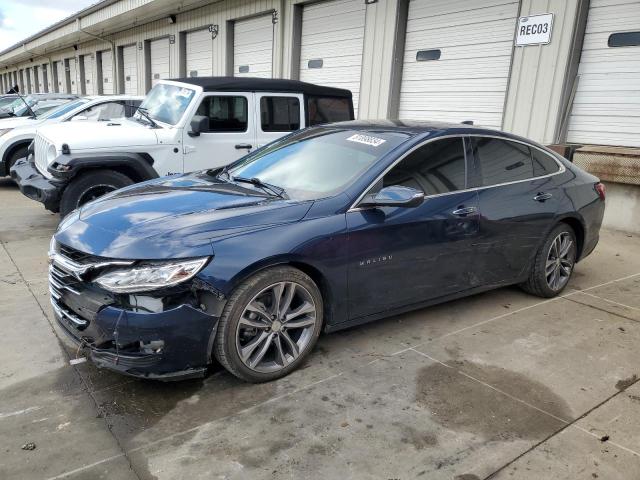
(15, 122)
(121, 133)
(172, 217)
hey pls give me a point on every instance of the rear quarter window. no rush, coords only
(328, 109)
(543, 163)
(501, 161)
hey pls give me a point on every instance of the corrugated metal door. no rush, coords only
(332, 43)
(253, 47)
(32, 80)
(456, 60)
(90, 86)
(159, 60)
(107, 72)
(130, 69)
(61, 81)
(606, 107)
(199, 53)
(73, 75)
(37, 79)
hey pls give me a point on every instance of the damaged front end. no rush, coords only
(161, 332)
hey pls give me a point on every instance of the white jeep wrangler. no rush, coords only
(181, 126)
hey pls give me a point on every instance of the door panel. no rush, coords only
(401, 256)
(253, 47)
(232, 132)
(199, 53)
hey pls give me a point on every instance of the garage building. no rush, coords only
(451, 60)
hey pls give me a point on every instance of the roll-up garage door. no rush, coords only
(37, 79)
(606, 107)
(31, 80)
(61, 82)
(456, 60)
(88, 68)
(107, 72)
(159, 60)
(130, 69)
(199, 53)
(73, 75)
(331, 44)
(253, 47)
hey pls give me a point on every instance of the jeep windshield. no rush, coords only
(314, 163)
(165, 103)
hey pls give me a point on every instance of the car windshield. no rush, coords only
(317, 163)
(17, 105)
(5, 102)
(64, 108)
(166, 103)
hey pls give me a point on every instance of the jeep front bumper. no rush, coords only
(36, 186)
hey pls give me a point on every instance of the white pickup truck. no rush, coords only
(16, 133)
(181, 126)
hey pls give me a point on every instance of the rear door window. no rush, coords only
(279, 114)
(501, 161)
(543, 163)
(436, 167)
(328, 109)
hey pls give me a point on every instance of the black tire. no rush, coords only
(225, 347)
(90, 185)
(21, 152)
(538, 283)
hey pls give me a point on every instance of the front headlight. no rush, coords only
(150, 276)
(5, 130)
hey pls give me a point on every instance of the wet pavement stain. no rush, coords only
(626, 382)
(460, 403)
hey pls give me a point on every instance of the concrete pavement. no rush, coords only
(501, 385)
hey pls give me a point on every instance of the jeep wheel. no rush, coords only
(15, 156)
(89, 186)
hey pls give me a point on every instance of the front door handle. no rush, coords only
(541, 197)
(244, 145)
(464, 211)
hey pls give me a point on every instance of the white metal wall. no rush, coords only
(31, 79)
(332, 40)
(73, 76)
(253, 47)
(199, 53)
(469, 81)
(606, 108)
(160, 60)
(62, 78)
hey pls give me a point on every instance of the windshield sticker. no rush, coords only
(184, 92)
(366, 139)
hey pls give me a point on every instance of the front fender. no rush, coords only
(67, 166)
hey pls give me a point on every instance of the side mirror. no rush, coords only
(78, 118)
(199, 124)
(394, 196)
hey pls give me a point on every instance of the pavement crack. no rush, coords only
(604, 310)
(66, 354)
(572, 423)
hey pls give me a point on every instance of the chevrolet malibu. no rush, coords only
(327, 228)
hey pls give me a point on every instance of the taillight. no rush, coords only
(600, 188)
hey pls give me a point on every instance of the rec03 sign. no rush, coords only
(534, 30)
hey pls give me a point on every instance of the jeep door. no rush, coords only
(401, 256)
(277, 114)
(231, 133)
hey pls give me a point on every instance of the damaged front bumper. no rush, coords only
(170, 345)
(36, 186)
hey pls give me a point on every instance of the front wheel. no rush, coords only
(553, 264)
(270, 324)
(89, 186)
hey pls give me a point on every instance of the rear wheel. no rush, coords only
(553, 264)
(89, 186)
(269, 325)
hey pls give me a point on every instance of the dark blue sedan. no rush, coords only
(327, 228)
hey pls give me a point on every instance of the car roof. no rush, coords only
(251, 84)
(93, 98)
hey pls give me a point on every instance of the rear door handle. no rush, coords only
(244, 145)
(541, 197)
(464, 211)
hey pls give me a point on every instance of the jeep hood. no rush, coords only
(121, 133)
(173, 217)
(16, 122)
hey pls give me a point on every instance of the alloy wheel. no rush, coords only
(560, 260)
(276, 327)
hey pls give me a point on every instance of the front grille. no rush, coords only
(41, 145)
(77, 255)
